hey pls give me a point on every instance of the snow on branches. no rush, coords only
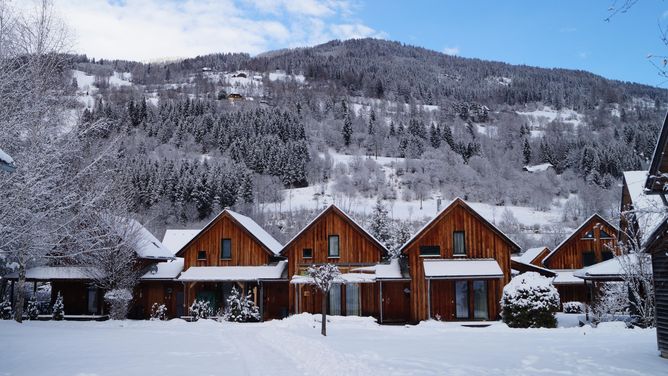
(240, 308)
(530, 301)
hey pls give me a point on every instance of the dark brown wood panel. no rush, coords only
(482, 241)
(396, 301)
(569, 255)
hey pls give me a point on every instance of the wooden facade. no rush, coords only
(482, 241)
(245, 249)
(356, 248)
(593, 242)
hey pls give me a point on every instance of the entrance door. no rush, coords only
(480, 311)
(179, 304)
(462, 299)
(396, 301)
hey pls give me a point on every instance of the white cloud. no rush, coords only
(153, 29)
(451, 50)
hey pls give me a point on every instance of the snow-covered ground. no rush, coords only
(354, 346)
(538, 119)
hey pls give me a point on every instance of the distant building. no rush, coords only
(539, 167)
(235, 96)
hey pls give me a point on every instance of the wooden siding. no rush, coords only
(355, 249)
(246, 250)
(538, 260)
(572, 293)
(482, 242)
(660, 268)
(162, 292)
(569, 254)
(75, 297)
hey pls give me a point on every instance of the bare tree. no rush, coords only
(324, 277)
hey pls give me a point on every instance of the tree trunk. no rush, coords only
(18, 303)
(323, 327)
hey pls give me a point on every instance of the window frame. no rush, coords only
(200, 253)
(310, 250)
(425, 247)
(454, 250)
(329, 246)
(222, 249)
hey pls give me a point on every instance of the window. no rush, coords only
(333, 246)
(353, 299)
(589, 258)
(607, 255)
(480, 311)
(307, 253)
(335, 300)
(430, 250)
(589, 235)
(605, 235)
(226, 249)
(458, 243)
(201, 255)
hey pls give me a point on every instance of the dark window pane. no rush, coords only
(333, 246)
(607, 255)
(226, 249)
(430, 250)
(605, 235)
(201, 255)
(589, 258)
(307, 253)
(459, 244)
(335, 300)
(589, 235)
(480, 300)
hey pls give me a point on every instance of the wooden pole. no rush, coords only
(380, 301)
(429, 299)
(261, 301)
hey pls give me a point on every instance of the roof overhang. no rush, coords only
(462, 269)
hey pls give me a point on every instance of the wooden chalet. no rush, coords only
(591, 243)
(335, 238)
(531, 260)
(459, 263)
(656, 240)
(233, 251)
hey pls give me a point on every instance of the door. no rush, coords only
(92, 301)
(396, 300)
(179, 304)
(353, 307)
(462, 300)
(480, 310)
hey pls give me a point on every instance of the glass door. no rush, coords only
(480, 311)
(462, 299)
(335, 300)
(353, 299)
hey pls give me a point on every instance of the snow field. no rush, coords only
(294, 346)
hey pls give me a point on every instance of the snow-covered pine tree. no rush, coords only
(5, 310)
(530, 301)
(119, 301)
(324, 277)
(347, 130)
(158, 312)
(58, 310)
(240, 308)
(402, 232)
(200, 309)
(33, 308)
(526, 151)
(379, 224)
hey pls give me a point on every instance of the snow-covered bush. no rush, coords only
(5, 310)
(572, 307)
(240, 308)
(530, 301)
(119, 302)
(58, 311)
(200, 309)
(158, 312)
(33, 308)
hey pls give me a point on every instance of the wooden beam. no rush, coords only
(428, 299)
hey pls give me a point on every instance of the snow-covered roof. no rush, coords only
(391, 270)
(164, 270)
(566, 277)
(345, 215)
(343, 278)
(233, 273)
(611, 269)
(175, 239)
(526, 266)
(48, 273)
(261, 234)
(648, 210)
(149, 247)
(529, 255)
(459, 200)
(539, 167)
(249, 225)
(575, 232)
(462, 268)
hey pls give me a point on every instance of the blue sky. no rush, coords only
(568, 34)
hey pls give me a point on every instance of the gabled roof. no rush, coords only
(149, 247)
(530, 255)
(175, 239)
(648, 210)
(269, 244)
(654, 182)
(458, 202)
(334, 208)
(577, 231)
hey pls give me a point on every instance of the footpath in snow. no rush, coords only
(354, 346)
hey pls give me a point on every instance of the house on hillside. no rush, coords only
(334, 237)
(539, 167)
(591, 243)
(656, 241)
(233, 251)
(459, 263)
